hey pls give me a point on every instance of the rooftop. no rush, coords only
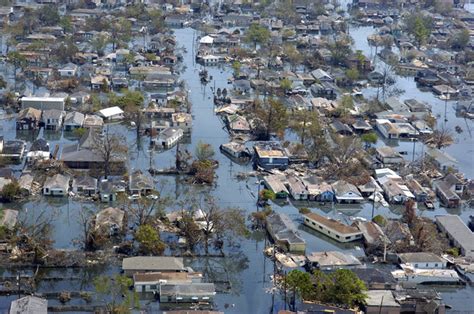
(332, 224)
(150, 263)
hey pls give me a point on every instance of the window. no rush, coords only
(337, 236)
(307, 219)
(436, 265)
(153, 287)
(320, 227)
(313, 223)
(416, 265)
(426, 264)
(347, 238)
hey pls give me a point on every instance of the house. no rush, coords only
(93, 121)
(57, 185)
(374, 237)
(53, 119)
(330, 260)
(168, 138)
(69, 70)
(187, 292)
(100, 82)
(395, 191)
(447, 196)
(346, 192)
(426, 276)
(145, 264)
(237, 124)
(73, 120)
(420, 300)
(235, 150)
(420, 193)
(111, 113)
(361, 126)
(26, 184)
(150, 282)
(39, 150)
(422, 260)
(395, 130)
(284, 233)
(318, 189)
(332, 228)
(43, 103)
(324, 89)
(381, 302)
(322, 76)
(388, 156)
(341, 128)
(270, 155)
(85, 185)
(297, 188)
(455, 184)
(28, 119)
(457, 232)
(376, 278)
(182, 120)
(29, 305)
(107, 191)
(140, 183)
(12, 150)
(275, 184)
(109, 221)
(442, 160)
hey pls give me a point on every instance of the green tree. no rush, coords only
(304, 123)
(285, 84)
(257, 34)
(99, 43)
(272, 116)
(10, 191)
(48, 15)
(419, 26)
(345, 105)
(340, 51)
(128, 99)
(115, 293)
(149, 240)
(352, 74)
(460, 40)
(236, 66)
(300, 284)
(266, 195)
(344, 288)
(66, 23)
(18, 61)
(204, 151)
(369, 139)
(121, 32)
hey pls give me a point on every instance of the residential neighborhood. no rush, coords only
(282, 156)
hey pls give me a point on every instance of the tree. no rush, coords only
(409, 215)
(460, 40)
(48, 15)
(299, 283)
(257, 34)
(66, 51)
(344, 288)
(10, 191)
(190, 229)
(3, 83)
(285, 85)
(266, 195)
(369, 139)
(236, 66)
(340, 51)
(204, 151)
(352, 75)
(304, 122)
(110, 148)
(419, 26)
(131, 99)
(272, 116)
(121, 31)
(149, 240)
(440, 138)
(99, 43)
(116, 294)
(17, 60)
(66, 23)
(345, 106)
(134, 115)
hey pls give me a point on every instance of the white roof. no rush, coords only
(110, 112)
(206, 40)
(35, 98)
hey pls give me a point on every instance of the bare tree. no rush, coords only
(110, 148)
(440, 138)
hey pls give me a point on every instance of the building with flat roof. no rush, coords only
(143, 264)
(43, 103)
(332, 228)
(270, 155)
(457, 231)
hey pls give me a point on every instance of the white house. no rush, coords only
(422, 260)
(332, 228)
(168, 137)
(57, 185)
(69, 70)
(74, 120)
(111, 113)
(346, 192)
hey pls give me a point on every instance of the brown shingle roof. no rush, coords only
(332, 224)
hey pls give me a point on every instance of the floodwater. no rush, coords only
(245, 266)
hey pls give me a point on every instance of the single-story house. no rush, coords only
(140, 183)
(28, 119)
(73, 120)
(52, 119)
(168, 137)
(145, 264)
(57, 185)
(284, 233)
(346, 192)
(111, 113)
(332, 228)
(85, 185)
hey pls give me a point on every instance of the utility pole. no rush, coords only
(373, 200)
